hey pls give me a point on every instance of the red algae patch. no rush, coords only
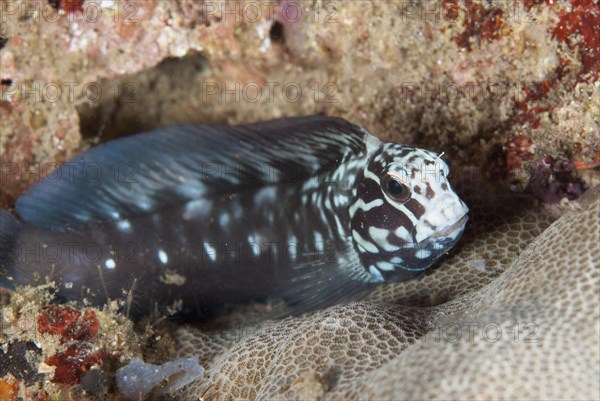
(72, 363)
(68, 323)
(71, 324)
(481, 23)
(518, 149)
(579, 28)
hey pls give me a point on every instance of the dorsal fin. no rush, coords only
(151, 170)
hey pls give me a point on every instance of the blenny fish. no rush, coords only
(312, 210)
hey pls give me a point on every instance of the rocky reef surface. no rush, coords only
(508, 90)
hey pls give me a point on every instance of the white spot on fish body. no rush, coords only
(145, 205)
(423, 253)
(124, 225)
(253, 243)
(163, 257)
(379, 235)
(110, 264)
(360, 204)
(196, 208)
(402, 233)
(376, 274)
(223, 219)
(211, 251)
(190, 190)
(363, 243)
(265, 195)
(233, 179)
(84, 217)
(385, 266)
(255, 248)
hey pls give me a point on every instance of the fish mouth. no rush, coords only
(452, 228)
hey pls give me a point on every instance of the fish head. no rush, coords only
(405, 214)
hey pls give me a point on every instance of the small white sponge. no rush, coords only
(138, 378)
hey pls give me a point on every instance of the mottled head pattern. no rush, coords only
(405, 214)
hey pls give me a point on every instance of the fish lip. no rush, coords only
(451, 228)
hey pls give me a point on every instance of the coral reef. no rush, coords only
(458, 76)
(508, 90)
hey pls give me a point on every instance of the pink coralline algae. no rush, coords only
(553, 180)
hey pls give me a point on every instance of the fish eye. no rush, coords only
(395, 188)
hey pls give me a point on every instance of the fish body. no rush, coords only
(313, 210)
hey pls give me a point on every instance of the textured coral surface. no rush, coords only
(508, 90)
